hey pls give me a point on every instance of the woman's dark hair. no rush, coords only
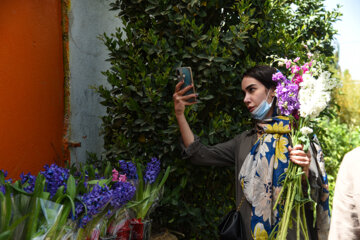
(263, 74)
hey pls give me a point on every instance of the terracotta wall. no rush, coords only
(31, 85)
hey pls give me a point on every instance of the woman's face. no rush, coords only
(255, 92)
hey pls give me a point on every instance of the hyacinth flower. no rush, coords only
(122, 193)
(302, 99)
(3, 175)
(86, 200)
(102, 200)
(55, 178)
(28, 182)
(149, 184)
(129, 169)
(91, 209)
(61, 187)
(94, 201)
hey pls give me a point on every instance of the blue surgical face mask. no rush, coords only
(261, 111)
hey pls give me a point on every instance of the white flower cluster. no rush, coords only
(306, 130)
(314, 94)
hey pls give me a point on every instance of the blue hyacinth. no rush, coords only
(5, 173)
(122, 193)
(2, 188)
(152, 170)
(129, 169)
(30, 179)
(95, 201)
(55, 177)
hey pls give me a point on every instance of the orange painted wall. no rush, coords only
(31, 85)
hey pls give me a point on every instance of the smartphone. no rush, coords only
(184, 73)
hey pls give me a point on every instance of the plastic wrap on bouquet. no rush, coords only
(140, 229)
(119, 225)
(49, 213)
(14, 211)
(46, 212)
(124, 232)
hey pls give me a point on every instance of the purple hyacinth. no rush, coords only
(30, 180)
(122, 193)
(129, 169)
(152, 170)
(95, 201)
(55, 177)
(4, 173)
(287, 94)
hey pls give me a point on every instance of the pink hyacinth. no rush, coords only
(115, 175)
(122, 178)
(296, 59)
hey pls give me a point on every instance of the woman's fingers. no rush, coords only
(299, 157)
(301, 161)
(184, 90)
(187, 97)
(297, 153)
(298, 147)
(297, 150)
(178, 97)
(183, 99)
(189, 103)
(178, 85)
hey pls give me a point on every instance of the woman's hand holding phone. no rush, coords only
(184, 95)
(181, 100)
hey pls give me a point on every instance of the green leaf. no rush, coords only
(59, 193)
(101, 182)
(108, 170)
(71, 187)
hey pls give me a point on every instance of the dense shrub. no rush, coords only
(337, 138)
(219, 40)
(348, 99)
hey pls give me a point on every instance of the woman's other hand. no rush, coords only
(180, 101)
(299, 157)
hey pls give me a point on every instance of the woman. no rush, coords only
(241, 151)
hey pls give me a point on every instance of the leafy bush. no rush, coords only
(336, 139)
(348, 98)
(219, 40)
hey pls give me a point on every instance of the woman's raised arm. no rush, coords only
(180, 101)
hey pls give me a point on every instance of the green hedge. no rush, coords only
(219, 40)
(336, 139)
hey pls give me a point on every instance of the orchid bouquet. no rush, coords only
(302, 99)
